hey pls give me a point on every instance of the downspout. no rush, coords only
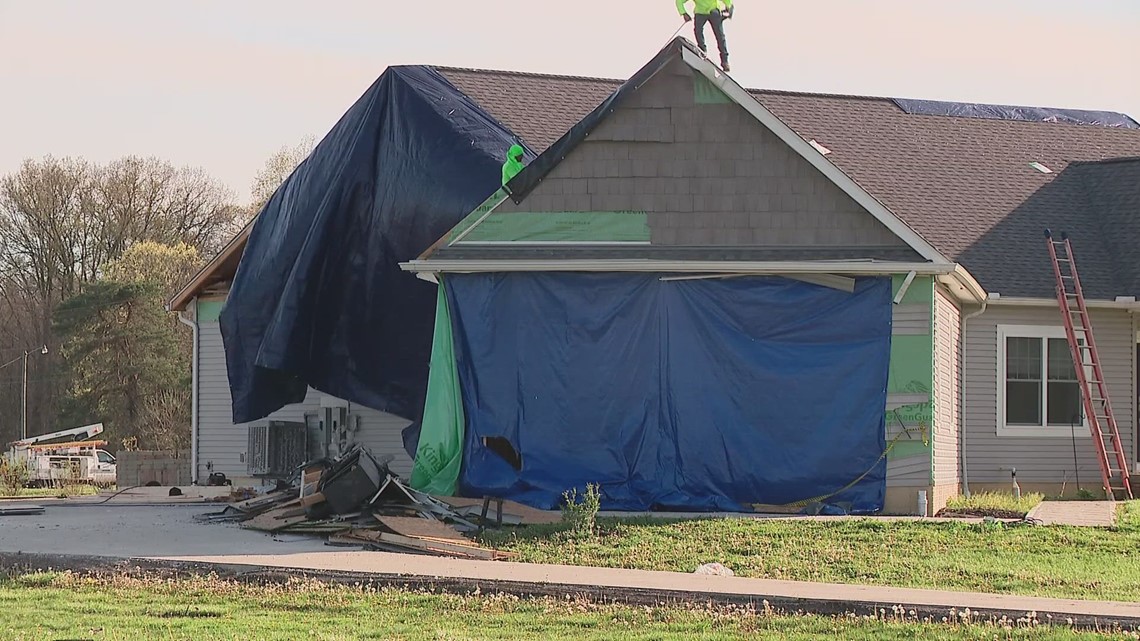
(193, 325)
(962, 431)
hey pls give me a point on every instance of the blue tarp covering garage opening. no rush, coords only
(319, 299)
(672, 394)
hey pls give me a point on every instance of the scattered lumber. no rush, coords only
(356, 500)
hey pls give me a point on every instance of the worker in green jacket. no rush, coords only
(514, 163)
(711, 11)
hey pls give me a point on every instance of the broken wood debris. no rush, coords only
(355, 500)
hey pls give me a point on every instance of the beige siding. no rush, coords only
(707, 173)
(222, 445)
(1038, 459)
(947, 396)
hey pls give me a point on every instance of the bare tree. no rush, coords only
(63, 221)
(138, 199)
(276, 169)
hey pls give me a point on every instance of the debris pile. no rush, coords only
(355, 500)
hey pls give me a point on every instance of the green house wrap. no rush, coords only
(440, 451)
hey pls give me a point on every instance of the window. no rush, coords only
(1038, 392)
(104, 457)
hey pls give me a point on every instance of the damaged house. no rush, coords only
(698, 296)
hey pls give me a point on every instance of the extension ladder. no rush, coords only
(1086, 361)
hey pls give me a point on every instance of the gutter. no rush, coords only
(1128, 303)
(685, 266)
(194, 369)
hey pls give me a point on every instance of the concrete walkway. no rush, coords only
(1079, 513)
(134, 538)
(667, 586)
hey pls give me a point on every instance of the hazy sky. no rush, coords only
(222, 84)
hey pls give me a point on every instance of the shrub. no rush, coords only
(581, 517)
(13, 475)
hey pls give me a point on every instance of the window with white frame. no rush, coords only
(1037, 384)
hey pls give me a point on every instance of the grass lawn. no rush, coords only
(1000, 505)
(62, 606)
(1084, 563)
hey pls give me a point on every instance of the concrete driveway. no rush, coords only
(139, 530)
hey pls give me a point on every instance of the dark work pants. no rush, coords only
(717, 21)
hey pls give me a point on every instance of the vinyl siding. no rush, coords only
(1039, 459)
(947, 390)
(222, 445)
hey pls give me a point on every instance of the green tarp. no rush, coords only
(562, 226)
(440, 450)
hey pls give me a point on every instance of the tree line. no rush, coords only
(89, 255)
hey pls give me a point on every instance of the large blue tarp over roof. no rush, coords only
(672, 394)
(319, 299)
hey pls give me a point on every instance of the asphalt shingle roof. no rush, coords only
(964, 184)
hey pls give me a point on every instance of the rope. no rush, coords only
(683, 24)
(906, 431)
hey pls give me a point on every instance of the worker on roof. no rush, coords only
(514, 163)
(712, 11)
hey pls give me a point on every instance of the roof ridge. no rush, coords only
(817, 94)
(752, 90)
(527, 74)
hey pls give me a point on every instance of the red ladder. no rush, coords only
(1094, 393)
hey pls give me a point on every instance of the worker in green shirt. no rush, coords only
(514, 163)
(714, 11)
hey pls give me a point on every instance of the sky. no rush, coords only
(222, 84)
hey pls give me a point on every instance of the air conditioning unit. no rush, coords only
(276, 448)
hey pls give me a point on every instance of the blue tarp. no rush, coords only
(1011, 112)
(319, 299)
(682, 394)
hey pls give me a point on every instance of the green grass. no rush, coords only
(63, 606)
(995, 504)
(1086, 563)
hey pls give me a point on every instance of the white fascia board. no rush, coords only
(1014, 301)
(679, 266)
(746, 100)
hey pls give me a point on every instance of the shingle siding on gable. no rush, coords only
(707, 174)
